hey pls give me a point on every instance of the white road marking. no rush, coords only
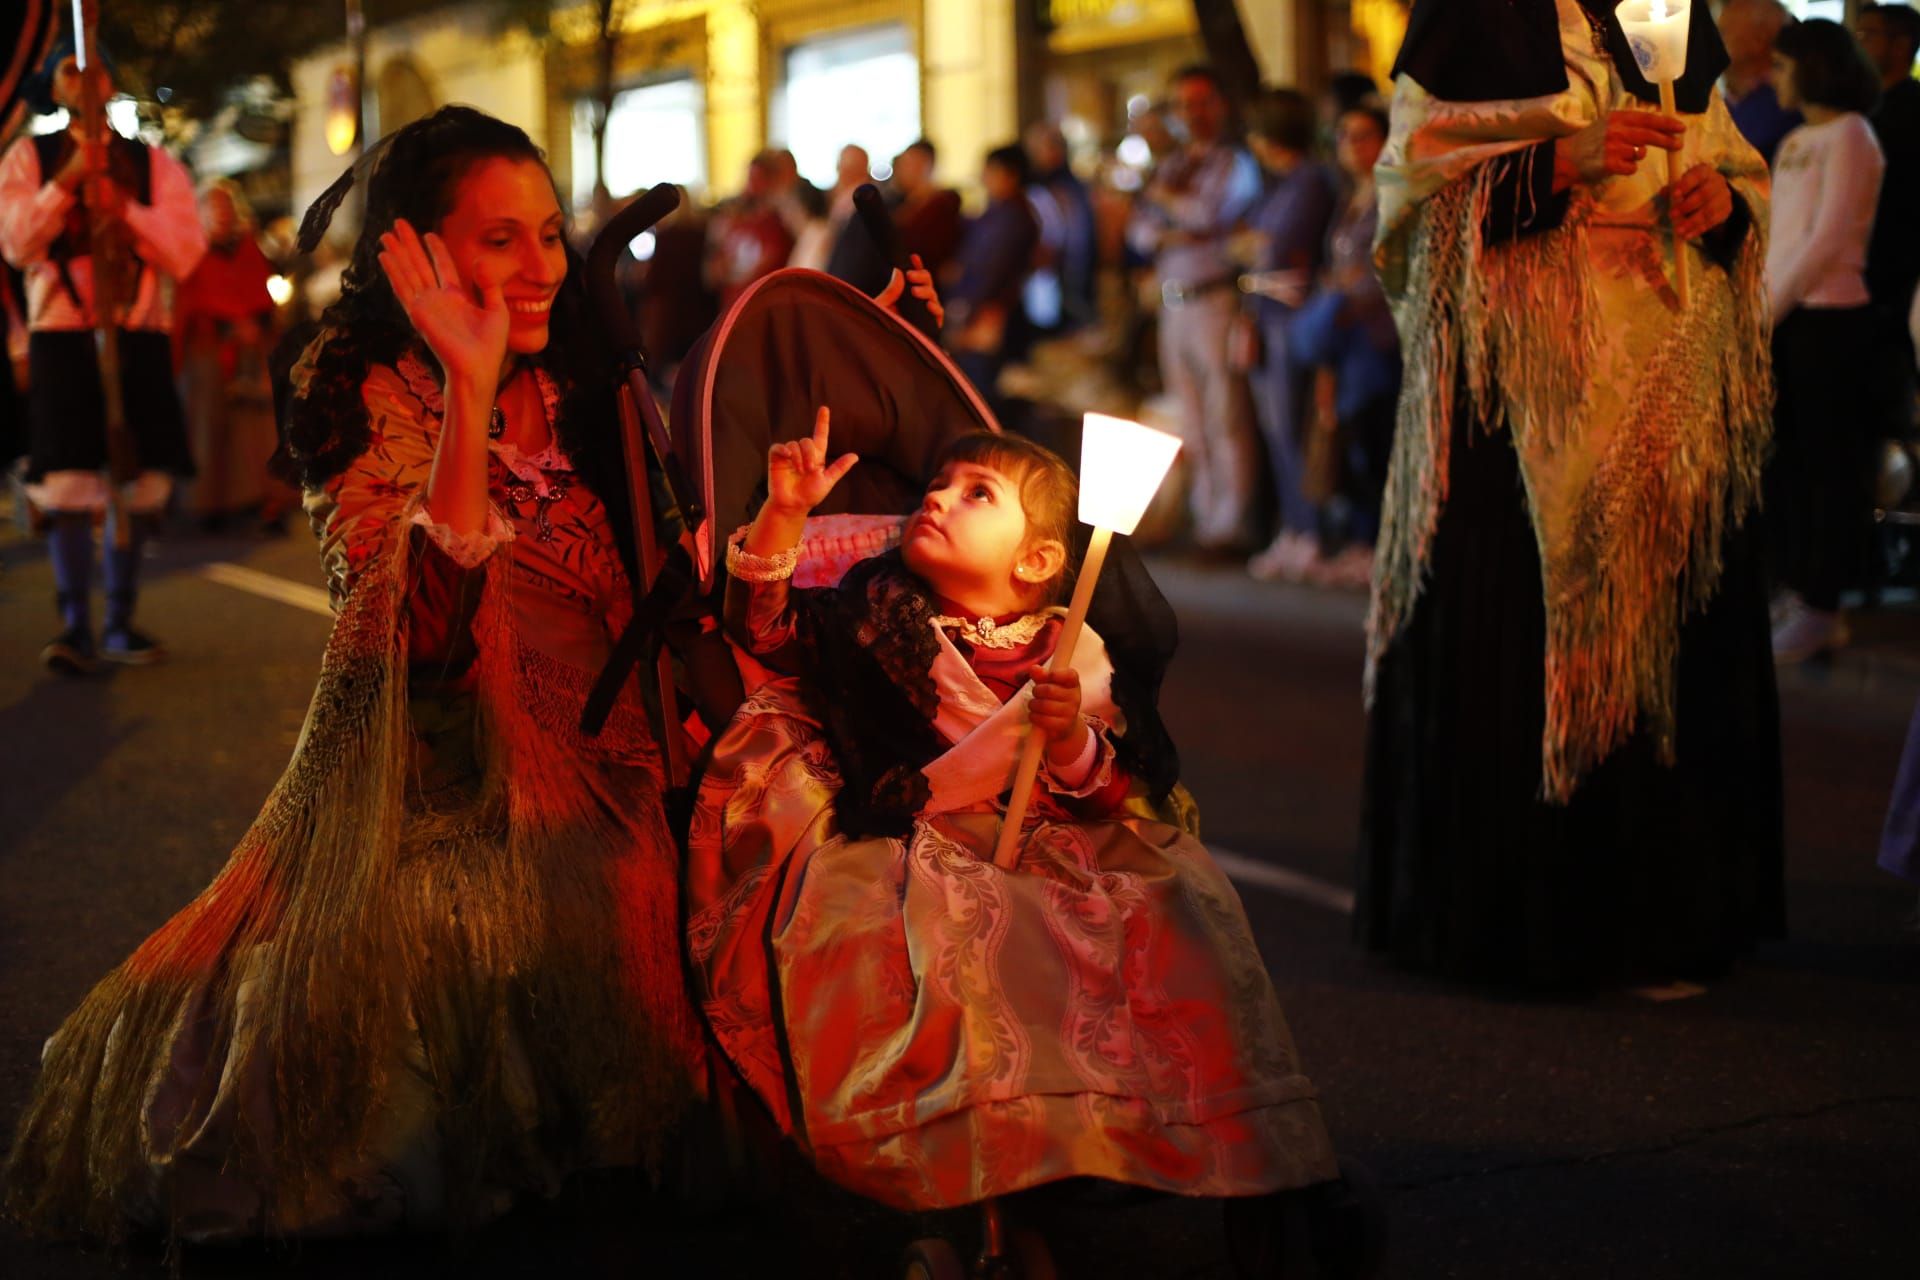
(270, 587)
(1248, 871)
(1264, 875)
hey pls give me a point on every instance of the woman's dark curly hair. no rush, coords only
(416, 174)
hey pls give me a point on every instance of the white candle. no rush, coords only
(1121, 466)
(1657, 34)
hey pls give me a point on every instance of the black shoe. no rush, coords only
(131, 647)
(1347, 1224)
(70, 653)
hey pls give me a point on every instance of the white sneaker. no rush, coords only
(1286, 559)
(1808, 633)
(1351, 569)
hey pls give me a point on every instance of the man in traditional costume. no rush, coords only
(46, 230)
(1573, 771)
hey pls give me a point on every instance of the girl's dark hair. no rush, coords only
(1829, 67)
(1285, 117)
(416, 175)
(1049, 491)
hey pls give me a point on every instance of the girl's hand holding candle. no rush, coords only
(1121, 466)
(1056, 714)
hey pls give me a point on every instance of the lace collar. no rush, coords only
(991, 633)
(530, 467)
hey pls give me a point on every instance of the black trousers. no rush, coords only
(1828, 419)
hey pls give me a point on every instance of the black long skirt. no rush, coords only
(1651, 872)
(67, 412)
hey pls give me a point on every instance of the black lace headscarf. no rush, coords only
(416, 173)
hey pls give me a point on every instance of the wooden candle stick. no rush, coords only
(1680, 284)
(1006, 851)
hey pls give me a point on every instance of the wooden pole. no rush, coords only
(107, 254)
(1680, 283)
(1006, 852)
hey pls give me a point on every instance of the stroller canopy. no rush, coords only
(792, 342)
(799, 339)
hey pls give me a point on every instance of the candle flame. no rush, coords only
(1659, 10)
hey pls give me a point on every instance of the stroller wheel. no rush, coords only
(1347, 1224)
(1031, 1257)
(932, 1259)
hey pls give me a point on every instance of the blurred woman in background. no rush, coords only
(223, 329)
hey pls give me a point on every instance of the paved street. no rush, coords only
(1769, 1128)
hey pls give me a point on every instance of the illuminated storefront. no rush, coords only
(701, 85)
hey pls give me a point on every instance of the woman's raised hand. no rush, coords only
(468, 338)
(799, 476)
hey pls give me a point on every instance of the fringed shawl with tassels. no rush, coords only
(1639, 428)
(448, 944)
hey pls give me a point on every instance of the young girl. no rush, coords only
(1828, 349)
(934, 1030)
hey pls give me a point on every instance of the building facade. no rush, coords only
(701, 85)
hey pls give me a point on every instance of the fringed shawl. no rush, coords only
(516, 927)
(1639, 429)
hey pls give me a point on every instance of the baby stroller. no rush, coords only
(767, 805)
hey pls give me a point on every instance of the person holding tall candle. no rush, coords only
(1573, 775)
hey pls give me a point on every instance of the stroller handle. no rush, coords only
(872, 211)
(621, 228)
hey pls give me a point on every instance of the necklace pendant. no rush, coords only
(496, 424)
(985, 627)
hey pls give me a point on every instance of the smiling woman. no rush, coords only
(442, 968)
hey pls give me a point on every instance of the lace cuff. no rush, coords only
(1093, 769)
(747, 567)
(468, 550)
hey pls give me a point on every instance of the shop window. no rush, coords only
(655, 133)
(853, 86)
(402, 95)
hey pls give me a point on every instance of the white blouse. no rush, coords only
(1826, 184)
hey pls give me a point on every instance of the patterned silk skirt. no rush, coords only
(934, 1031)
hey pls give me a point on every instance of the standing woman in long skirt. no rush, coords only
(1573, 774)
(442, 969)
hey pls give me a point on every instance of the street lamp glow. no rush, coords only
(343, 111)
(1121, 466)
